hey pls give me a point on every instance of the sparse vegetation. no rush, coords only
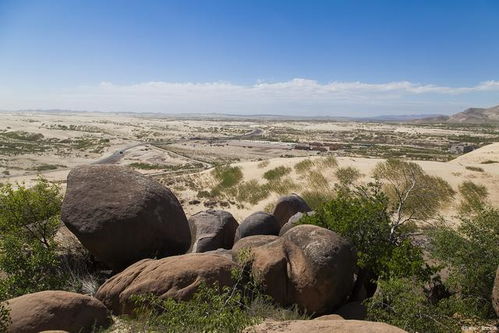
(347, 175)
(46, 167)
(414, 196)
(263, 164)
(473, 168)
(276, 173)
(227, 176)
(304, 166)
(251, 191)
(329, 162)
(317, 180)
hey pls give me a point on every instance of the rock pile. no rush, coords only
(138, 228)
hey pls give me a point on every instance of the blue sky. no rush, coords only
(281, 57)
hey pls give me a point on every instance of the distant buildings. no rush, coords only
(317, 146)
(461, 148)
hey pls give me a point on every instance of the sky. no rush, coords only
(311, 57)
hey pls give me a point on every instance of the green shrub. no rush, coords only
(402, 302)
(276, 173)
(227, 176)
(29, 219)
(347, 175)
(210, 310)
(471, 256)
(4, 317)
(362, 216)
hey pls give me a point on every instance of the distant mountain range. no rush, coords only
(468, 116)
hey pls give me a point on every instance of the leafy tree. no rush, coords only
(29, 219)
(32, 214)
(471, 255)
(414, 196)
(347, 175)
(362, 216)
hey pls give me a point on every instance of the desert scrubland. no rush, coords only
(181, 151)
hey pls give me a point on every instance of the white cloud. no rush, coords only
(297, 96)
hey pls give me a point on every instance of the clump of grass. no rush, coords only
(317, 180)
(316, 198)
(46, 167)
(489, 162)
(329, 162)
(347, 175)
(252, 192)
(472, 168)
(263, 164)
(276, 173)
(304, 165)
(283, 186)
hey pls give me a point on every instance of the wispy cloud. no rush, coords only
(297, 96)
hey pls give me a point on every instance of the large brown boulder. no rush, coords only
(309, 266)
(56, 310)
(323, 326)
(258, 223)
(211, 230)
(175, 277)
(288, 206)
(121, 216)
(495, 293)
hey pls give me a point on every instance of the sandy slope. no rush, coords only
(454, 173)
(486, 153)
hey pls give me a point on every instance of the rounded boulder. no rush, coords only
(288, 206)
(175, 277)
(212, 230)
(258, 223)
(121, 216)
(56, 310)
(309, 266)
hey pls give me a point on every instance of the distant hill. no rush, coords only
(468, 116)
